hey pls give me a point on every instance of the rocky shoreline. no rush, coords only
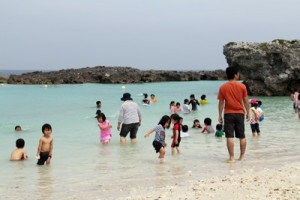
(268, 68)
(102, 74)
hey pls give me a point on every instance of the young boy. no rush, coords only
(208, 128)
(19, 153)
(194, 102)
(44, 152)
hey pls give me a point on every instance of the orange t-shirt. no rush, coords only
(233, 93)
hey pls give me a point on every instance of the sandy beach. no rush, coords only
(283, 183)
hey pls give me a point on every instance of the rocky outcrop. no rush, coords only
(2, 79)
(268, 69)
(103, 74)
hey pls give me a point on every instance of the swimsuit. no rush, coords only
(43, 157)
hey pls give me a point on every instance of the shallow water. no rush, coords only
(83, 168)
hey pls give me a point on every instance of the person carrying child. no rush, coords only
(104, 126)
(44, 152)
(175, 119)
(19, 153)
(159, 143)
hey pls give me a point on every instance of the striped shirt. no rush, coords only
(129, 113)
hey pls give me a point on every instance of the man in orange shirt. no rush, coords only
(233, 96)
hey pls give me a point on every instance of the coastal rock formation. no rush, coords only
(268, 69)
(2, 79)
(101, 74)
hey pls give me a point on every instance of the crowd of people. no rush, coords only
(233, 107)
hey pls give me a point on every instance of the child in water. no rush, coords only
(44, 152)
(19, 153)
(184, 132)
(104, 126)
(153, 99)
(178, 108)
(254, 117)
(208, 128)
(219, 132)
(186, 108)
(18, 128)
(145, 100)
(159, 143)
(194, 102)
(172, 107)
(203, 100)
(175, 119)
(196, 124)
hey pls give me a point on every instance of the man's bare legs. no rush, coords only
(230, 147)
(133, 141)
(123, 140)
(242, 148)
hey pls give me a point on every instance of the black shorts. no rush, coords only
(157, 145)
(234, 125)
(43, 158)
(132, 128)
(255, 128)
(173, 145)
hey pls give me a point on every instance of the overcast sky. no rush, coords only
(145, 34)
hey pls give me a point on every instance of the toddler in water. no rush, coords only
(19, 153)
(208, 128)
(172, 107)
(159, 143)
(203, 100)
(184, 132)
(219, 132)
(196, 124)
(178, 108)
(105, 133)
(44, 152)
(254, 117)
(175, 119)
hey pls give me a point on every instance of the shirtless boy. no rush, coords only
(19, 153)
(44, 152)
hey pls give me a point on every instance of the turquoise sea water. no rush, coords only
(83, 168)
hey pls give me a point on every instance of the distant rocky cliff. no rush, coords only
(268, 69)
(2, 79)
(103, 74)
